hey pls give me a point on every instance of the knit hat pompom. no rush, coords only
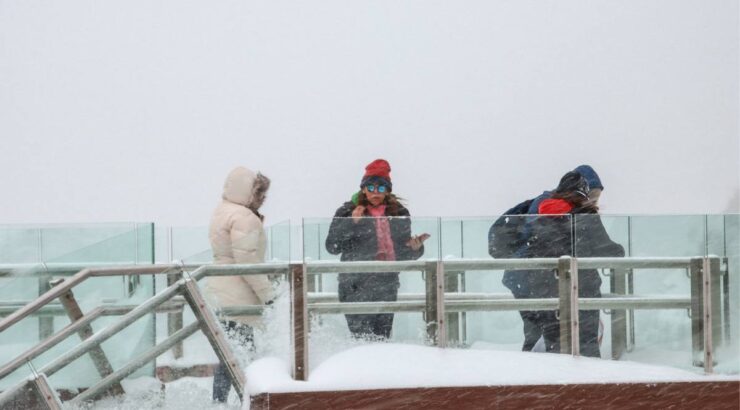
(377, 172)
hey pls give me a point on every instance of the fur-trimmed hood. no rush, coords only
(239, 186)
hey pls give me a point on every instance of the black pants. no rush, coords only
(531, 327)
(588, 331)
(369, 289)
(243, 335)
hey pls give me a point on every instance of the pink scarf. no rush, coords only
(383, 231)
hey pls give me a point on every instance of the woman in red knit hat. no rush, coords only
(362, 231)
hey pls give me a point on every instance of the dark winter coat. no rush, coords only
(513, 279)
(555, 236)
(358, 242)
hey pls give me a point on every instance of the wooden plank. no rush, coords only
(716, 395)
(211, 328)
(299, 316)
(100, 360)
(175, 319)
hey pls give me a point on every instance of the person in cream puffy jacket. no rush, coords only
(237, 237)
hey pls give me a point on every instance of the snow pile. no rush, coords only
(147, 393)
(381, 366)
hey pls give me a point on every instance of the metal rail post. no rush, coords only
(100, 360)
(46, 323)
(430, 306)
(726, 301)
(299, 319)
(715, 279)
(618, 316)
(712, 328)
(696, 269)
(453, 319)
(212, 329)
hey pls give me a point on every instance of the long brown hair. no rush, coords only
(580, 203)
(391, 201)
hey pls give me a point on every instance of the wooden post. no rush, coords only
(48, 396)
(100, 360)
(210, 326)
(568, 305)
(174, 320)
(299, 318)
(442, 326)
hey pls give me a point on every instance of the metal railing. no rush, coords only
(703, 303)
(206, 322)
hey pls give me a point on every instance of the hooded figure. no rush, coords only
(571, 226)
(237, 237)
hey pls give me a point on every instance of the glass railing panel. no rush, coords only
(490, 325)
(667, 235)
(189, 243)
(645, 332)
(716, 237)
(724, 234)
(117, 247)
(20, 244)
(279, 240)
(350, 240)
(100, 243)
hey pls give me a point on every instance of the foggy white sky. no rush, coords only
(136, 110)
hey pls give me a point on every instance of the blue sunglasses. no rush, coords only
(381, 188)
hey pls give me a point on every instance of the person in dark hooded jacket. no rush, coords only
(519, 281)
(554, 235)
(373, 226)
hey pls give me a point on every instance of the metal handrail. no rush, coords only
(362, 266)
(84, 274)
(412, 302)
(78, 278)
(68, 269)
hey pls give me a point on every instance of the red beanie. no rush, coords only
(378, 171)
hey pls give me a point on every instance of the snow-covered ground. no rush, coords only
(390, 365)
(379, 366)
(147, 393)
